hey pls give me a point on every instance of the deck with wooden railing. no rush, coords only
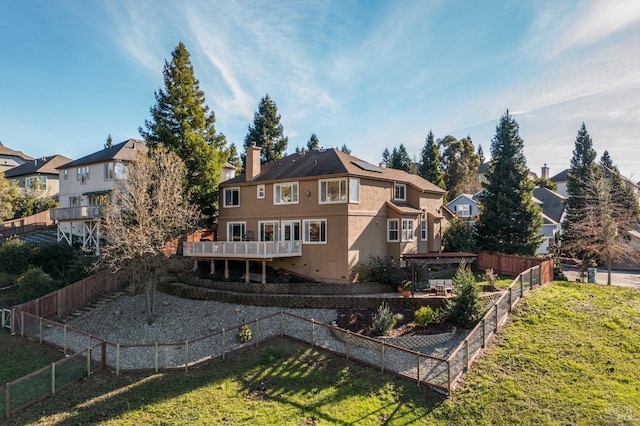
(74, 213)
(242, 249)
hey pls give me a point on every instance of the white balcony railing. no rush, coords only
(72, 213)
(243, 249)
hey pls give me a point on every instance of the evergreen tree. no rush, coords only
(466, 308)
(386, 157)
(460, 164)
(430, 168)
(481, 154)
(582, 169)
(266, 132)
(344, 148)
(400, 160)
(459, 236)
(182, 122)
(509, 220)
(109, 142)
(314, 143)
(606, 161)
(234, 159)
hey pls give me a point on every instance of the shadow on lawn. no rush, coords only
(281, 371)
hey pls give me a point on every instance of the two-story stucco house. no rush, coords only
(10, 158)
(39, 176)
(322, 213)
(84, 185)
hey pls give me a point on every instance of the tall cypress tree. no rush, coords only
(509, 220)
(182, 122)
(430, 167)
(266, 132)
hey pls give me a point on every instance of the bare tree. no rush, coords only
(148, 208)
(602, 230)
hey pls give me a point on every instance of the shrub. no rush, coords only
(423, 316)
(459, 236)
(33, 284)
(385, 271)
(491, 278)
(383, 321)
(15, 256)
(465, 309)
(244, 333)
(53, 258)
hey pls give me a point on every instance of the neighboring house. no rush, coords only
(228, 171)
(552, 204)
(561, 182)
(465, 206)
(10, 158)
(321, 214)
(84, 185)
(38, 176)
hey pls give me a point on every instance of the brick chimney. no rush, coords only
(253, 161)
(545, 172)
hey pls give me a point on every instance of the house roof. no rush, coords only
(482, 168)
(13, 153)
(560, 177)
(551, 202)
(124, 151)
(37, 166)
(403, 208)
(331, 162)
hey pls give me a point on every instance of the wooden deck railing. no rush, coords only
(243, 249)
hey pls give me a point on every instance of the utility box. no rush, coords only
(591, 275)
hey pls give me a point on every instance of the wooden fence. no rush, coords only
(25, 225)
(73, 295)
(512, 265)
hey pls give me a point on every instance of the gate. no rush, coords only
(6, 318)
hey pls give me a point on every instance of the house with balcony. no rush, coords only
(38, 176)
(84, 186)
(320, 214)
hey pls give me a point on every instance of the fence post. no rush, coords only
(281, 323)
(257, 332)
(496, 305)
(223, 349)
(186, 355)
(53, 378)
(540, 274)
(418, 369)
(13, 320)
(313, 329)
(117, 359)
(521, 286)
(346, 343)
(103, 364)
(88, 361)
(40, 330)
(64, 349)
(22, 323)
(449, 376)
(7, 402)
(510, 297)
(382, 357)
(483, 332)
(530, 279)
(156, 356)
(466, 354)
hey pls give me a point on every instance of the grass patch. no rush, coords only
(569, 355)
(19, 356)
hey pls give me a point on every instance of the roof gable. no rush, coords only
(13, 153)
(124, 151)
(44, 165)
(551, 202)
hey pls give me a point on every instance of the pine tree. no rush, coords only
(400, 160)
(314, 143)
(481, 154)
(344, 148)
(182, 122)
(234, 158)
(266, 132)
(430, 167)
(509, 220)
(386, 157)
(109, 142)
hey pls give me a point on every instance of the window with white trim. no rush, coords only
(260, 191)
(115, 170)
(424, 236)
(392, 230)
(407, 229)
(268, 230)
(354, 190)
(236, 231)
(36, 182)
(400, 192)
(82, 174)
(463, 210)
(285, 193)
(332, 191)
(231, 197)
(315, 231)
(65, 174)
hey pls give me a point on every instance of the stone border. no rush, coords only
(407, 342)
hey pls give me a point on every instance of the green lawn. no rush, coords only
(19, 356)
(570, 355)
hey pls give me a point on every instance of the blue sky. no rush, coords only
(368, 74)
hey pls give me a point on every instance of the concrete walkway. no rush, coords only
(619, 278)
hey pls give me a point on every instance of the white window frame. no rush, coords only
(393, 225)
(231, 225)
(400, 191)
(65, 174)
(277, 193)
(82, 173)
(466, 210)
(114, 170)
(42, 182)
(228, 198)
(262, 228)
(354, 190)
(424, 228)
(323, 191)
(260, 191)
(306, 231)
(407, 230)
(293, 226)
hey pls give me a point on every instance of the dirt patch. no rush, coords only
(360, 320)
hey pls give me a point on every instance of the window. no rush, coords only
(354, 190)
(332, 191)
(65, 174)
(285, 193)
(392, 230)
(74, 201)
(82, 174)
(268, 231)
(423, 230)
(260, 190)
(236, 231)
(463, 210)
(315, 231)
(400, 191)
(407, 229)
(97, 200)
(36, 182)
(231, 197)
(290, 230)
(114, 171)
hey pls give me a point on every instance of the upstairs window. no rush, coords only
(260, 191)
(333, 191)
(82, 174)
(37, 183)
(65, 174)
(114, 171)
(231, 197)
(354, 190)
(463, 210)
(285, 193)
(400, 192)
(392, 230)
(424, 236)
